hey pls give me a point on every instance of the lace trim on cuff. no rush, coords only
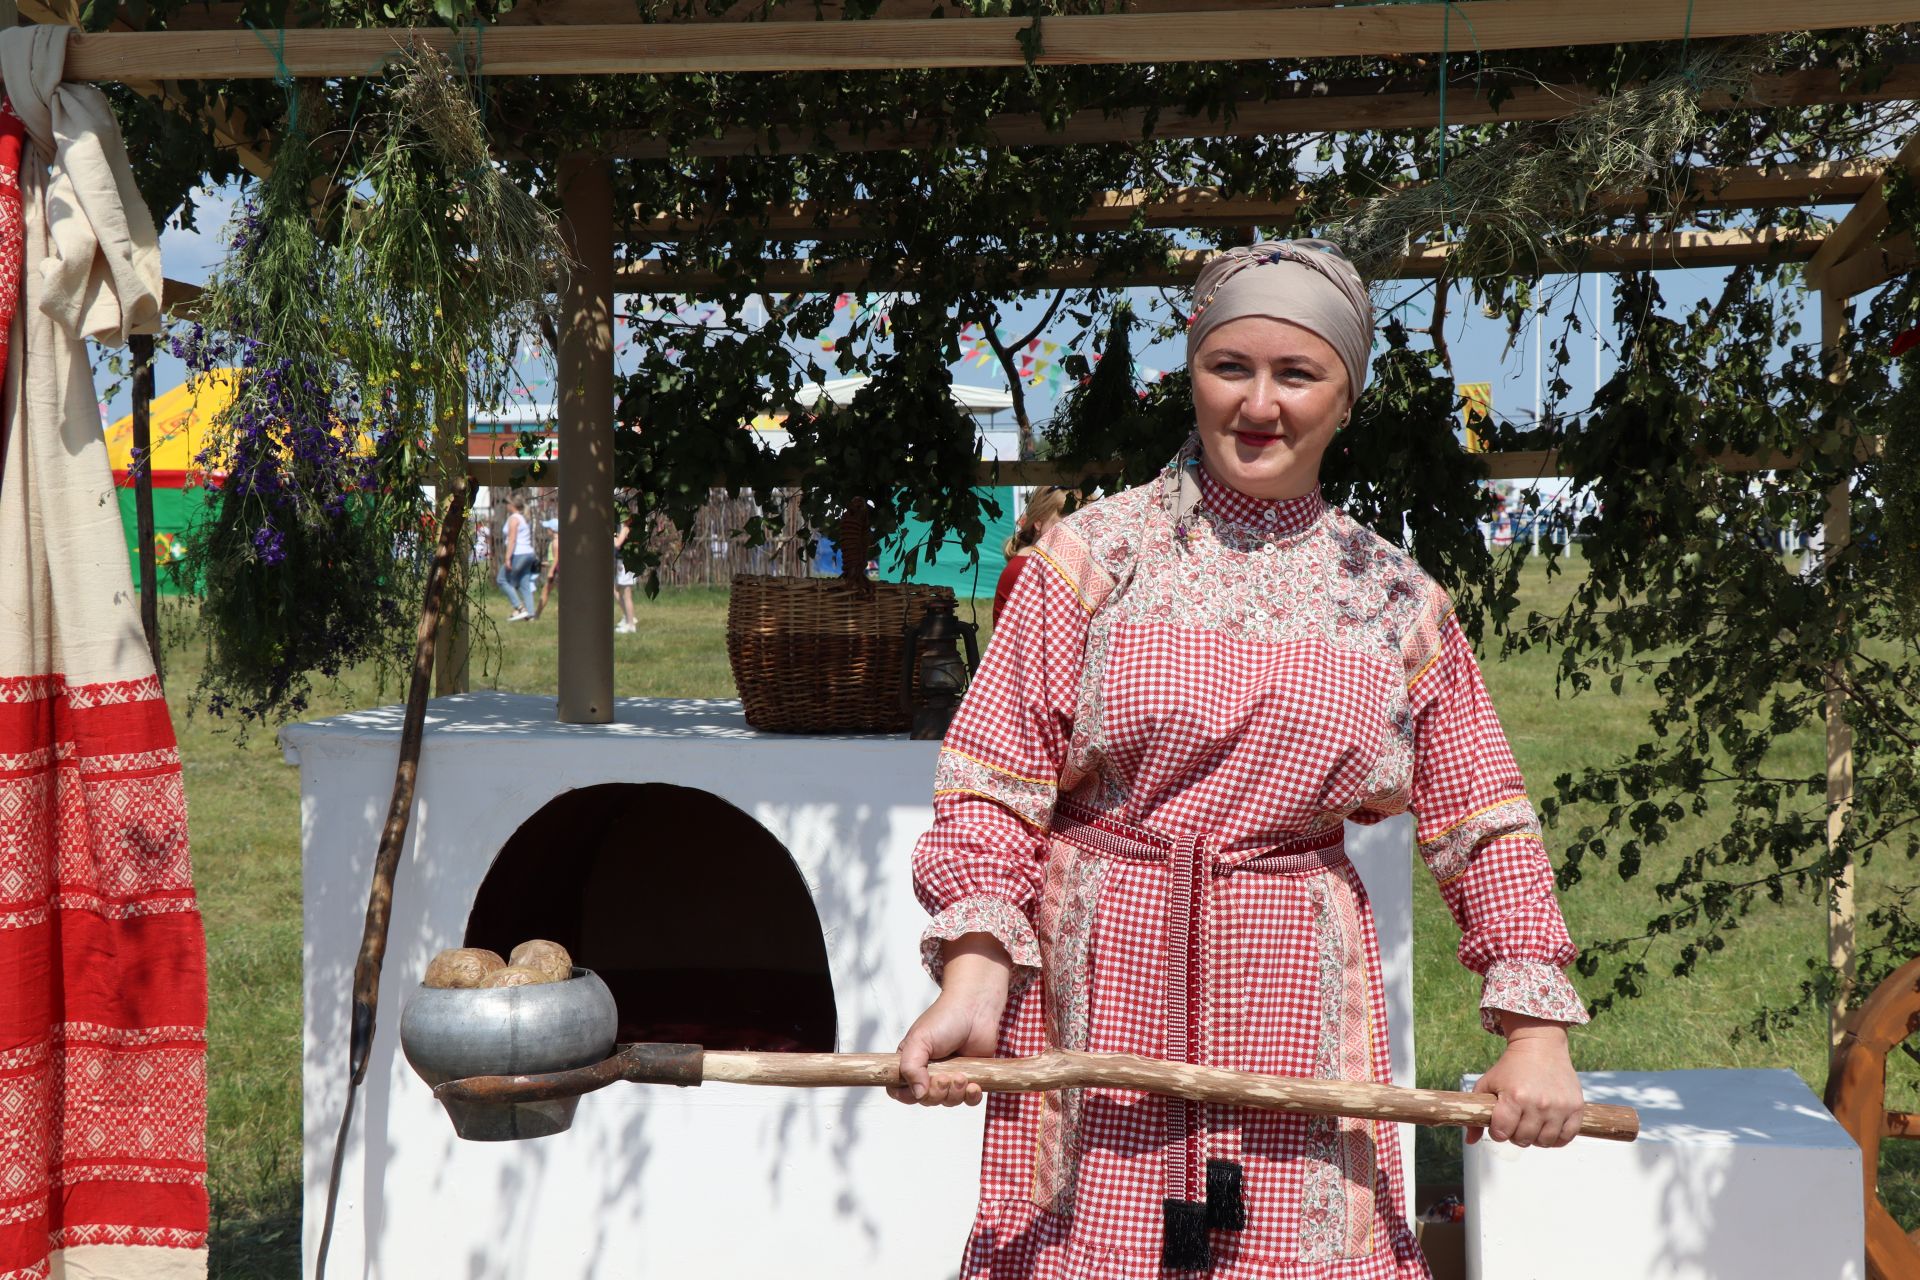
(1531, 987)
(983, 914)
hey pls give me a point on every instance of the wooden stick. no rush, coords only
(140, 347)
(1054, 1069)
(893, 44)
(386, 862)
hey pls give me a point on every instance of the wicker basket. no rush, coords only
(825, 655)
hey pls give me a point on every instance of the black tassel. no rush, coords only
(1184, 1246)
(1226, 1209)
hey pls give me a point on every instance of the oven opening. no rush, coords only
(693, 914)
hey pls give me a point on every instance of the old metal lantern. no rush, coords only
(931, 649)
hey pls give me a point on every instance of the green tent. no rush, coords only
(950, 566)
(176, 508)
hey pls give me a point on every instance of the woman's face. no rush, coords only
(1267, 397)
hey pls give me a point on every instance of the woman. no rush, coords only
(519, 562)
(1044, 509)
(1141, 802)
(624, 580)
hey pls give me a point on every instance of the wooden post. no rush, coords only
(140, 346)
(453, 640)
(585, 360)
(1836, 531)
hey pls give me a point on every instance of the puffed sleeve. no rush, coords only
(977, 870)
(1478, 834)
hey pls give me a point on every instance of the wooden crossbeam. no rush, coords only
(1191, 207)
(1657, 251)
(1858, 234)
(178, 296)
(227, 127)
(1102, 39)
(1196, 207)
(554, 13)
(1294, 106)
(1873, 266)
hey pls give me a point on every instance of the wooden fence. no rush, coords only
(715, 548)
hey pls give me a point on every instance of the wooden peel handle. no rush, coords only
(687, 1064)
(1061, 1069)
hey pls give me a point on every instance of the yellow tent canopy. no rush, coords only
(180, 421)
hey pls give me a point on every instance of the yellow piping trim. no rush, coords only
(1005, 773)
(1062, 574)
(1426, 667)
(1464, 819)
(969, 791)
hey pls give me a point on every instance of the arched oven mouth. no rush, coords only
(694, 915)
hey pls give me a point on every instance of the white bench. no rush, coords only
(1736, 1174)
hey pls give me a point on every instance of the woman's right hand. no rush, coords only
(963, 1021)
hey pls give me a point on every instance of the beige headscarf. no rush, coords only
(1306, 282)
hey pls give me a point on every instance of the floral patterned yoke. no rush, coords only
(1142, 798)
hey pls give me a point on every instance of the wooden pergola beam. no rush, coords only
(1873, 266)
(1191, 207)
(1293, 107)
(1657, 251)
(590, 13)
(227, 127)
(1196, 207)
(1858, 234)
(1088, 40)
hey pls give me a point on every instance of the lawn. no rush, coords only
(245, 810)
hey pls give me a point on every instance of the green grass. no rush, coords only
(245, 809)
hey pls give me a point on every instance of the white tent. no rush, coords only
(978, 401)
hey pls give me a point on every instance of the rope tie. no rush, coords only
(1686, 34)
(282, 73)
(1446, 58)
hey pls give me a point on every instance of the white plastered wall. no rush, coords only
(652, 1181)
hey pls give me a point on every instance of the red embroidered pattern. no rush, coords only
(13, 231)
(103, 1034)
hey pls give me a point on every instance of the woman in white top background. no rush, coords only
(517, 571)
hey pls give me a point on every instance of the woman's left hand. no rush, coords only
(1538, 1095)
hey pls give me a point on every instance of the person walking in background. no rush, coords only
(516, 574)
(553, 566)
(482, 543)
(1045, 506)
(623, 580)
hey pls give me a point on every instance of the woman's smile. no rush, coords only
(1259, 439)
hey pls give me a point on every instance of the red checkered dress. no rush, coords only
(1142, 798)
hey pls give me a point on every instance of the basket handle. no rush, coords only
(855, 542)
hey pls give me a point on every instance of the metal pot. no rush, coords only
(450, 1033)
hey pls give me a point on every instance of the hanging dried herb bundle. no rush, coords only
(355, 333)
(1522, 201)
